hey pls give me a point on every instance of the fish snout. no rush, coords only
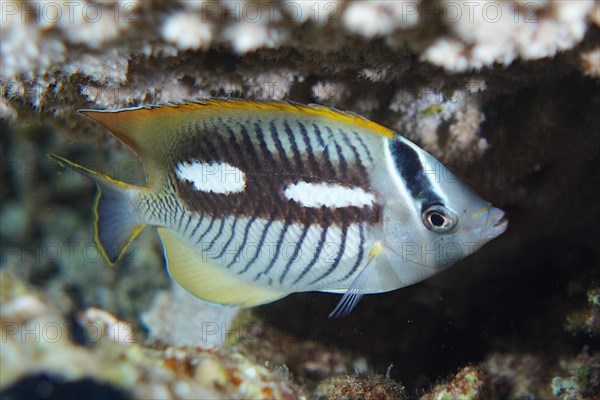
(496, 222)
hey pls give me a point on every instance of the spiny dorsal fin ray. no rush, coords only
(145, 129)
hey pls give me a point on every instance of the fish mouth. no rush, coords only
(497, 222)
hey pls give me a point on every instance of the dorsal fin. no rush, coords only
(148, 130)
(135, 126)
(127, 124)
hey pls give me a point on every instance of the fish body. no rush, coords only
(256, 200)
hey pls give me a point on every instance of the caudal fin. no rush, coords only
(116, 222)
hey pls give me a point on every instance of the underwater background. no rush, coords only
(505, 93)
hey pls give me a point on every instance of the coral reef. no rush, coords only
(37, 339)
(586, 321)
(470, 383)
(173, 309)
(505, 93)
(455, 35)
(579, 378)
(310, 362)
(373, 387)
(518, 376)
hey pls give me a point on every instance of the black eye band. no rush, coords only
(413, 173)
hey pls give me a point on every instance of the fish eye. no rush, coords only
(439, 219)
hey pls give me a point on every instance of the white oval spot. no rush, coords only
(213, 177)
(328, 195)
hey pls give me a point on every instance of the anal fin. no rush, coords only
(209, 281)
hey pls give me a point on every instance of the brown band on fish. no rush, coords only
(263, 195)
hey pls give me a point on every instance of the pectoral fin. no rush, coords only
(356, 290)
(209, 281)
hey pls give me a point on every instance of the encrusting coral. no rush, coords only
(586, 321)
(474, 35)
(470, 383)
(579, 378)
(208, 328)
(517, 375)
(373, 387)
(37, 339)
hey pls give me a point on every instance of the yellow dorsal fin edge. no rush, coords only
(130, 122)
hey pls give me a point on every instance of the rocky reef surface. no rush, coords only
(505, 93)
